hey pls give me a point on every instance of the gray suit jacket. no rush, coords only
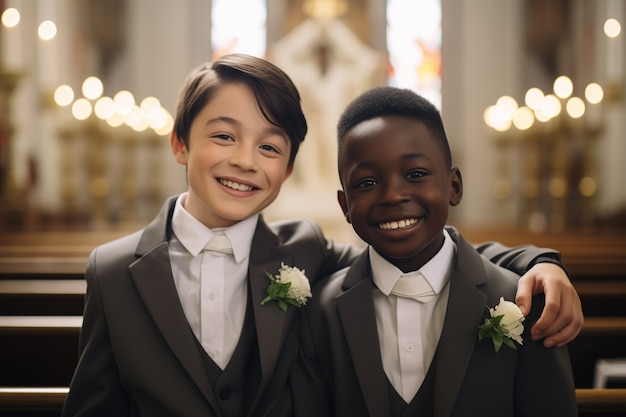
(137, 351)
(470, 379)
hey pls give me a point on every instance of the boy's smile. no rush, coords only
(394, 225)
(398, 188)
(235, 185)
(236, 160)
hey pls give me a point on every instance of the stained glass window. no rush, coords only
(414, 45)
(238, 26)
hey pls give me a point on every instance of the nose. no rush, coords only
(244, 157)
(393, 191)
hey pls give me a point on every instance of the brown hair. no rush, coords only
(275, 93)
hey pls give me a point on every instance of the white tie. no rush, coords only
(219, 243)
(415, 287)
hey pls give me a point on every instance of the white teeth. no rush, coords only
(235, 185)
(397, 225)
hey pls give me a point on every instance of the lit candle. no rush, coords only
(12, 42)
(615, 52)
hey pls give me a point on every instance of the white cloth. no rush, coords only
(409, 330)
(414, 286)
(219, 243)
(212, 287)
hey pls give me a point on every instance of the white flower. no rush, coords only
(504, 325)
(290, 286)
(512, 319)
(300, 289)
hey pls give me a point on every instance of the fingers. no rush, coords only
(552, 320)
(567, 323)
(525, 287)
(562, 317)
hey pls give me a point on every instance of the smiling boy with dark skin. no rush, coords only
(389, 352)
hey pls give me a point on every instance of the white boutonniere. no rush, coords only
(290, 286)
(504, 326)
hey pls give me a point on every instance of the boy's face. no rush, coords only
(397, 188)
(236, 160)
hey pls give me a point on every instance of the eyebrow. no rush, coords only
(272, 130)
(224, 119)
(367, 164)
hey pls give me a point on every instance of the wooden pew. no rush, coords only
(586, 254)
(19, 401)
(602, 297)
(601, 402)
(42, 267)
(601, 337)
(42, 279)
(80, 238)
(593, 255)
(38, 350)
(32, 401)
(55, 297)
(50, 254)
(43, 350)
(597, 263)
(58, 289)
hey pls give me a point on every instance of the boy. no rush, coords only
(397, 332)
(171, 329)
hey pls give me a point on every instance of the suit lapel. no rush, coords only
(152, 274)
(358, 318)
(266, 256)
(466, 308)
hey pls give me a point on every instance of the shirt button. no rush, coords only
(212, 353)
(410, 347)
(211, 295)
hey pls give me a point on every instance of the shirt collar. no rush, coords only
(436, 271)
(194, 235)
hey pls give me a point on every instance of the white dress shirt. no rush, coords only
(212, 288)
(409, 330)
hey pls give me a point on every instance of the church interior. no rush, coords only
(532, 94)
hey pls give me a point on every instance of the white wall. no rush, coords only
(481, 62)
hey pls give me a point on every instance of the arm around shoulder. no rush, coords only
(542, 272)
(518, 259)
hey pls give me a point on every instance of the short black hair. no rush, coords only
(393, 101)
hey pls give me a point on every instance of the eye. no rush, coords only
(270, 148)
(223, 136)
(366, 183)
(416, 174)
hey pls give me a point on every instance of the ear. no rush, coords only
(456, 189)
(178, 148)
(288, 172)
(341, 198)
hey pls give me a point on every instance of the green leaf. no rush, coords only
(491, 329)
(497, 342)
(278, 291)
(509, 343)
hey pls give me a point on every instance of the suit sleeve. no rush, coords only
(518, 259)
(95, 389)
(336, 256)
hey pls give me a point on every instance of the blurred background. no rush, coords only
(531, 92)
